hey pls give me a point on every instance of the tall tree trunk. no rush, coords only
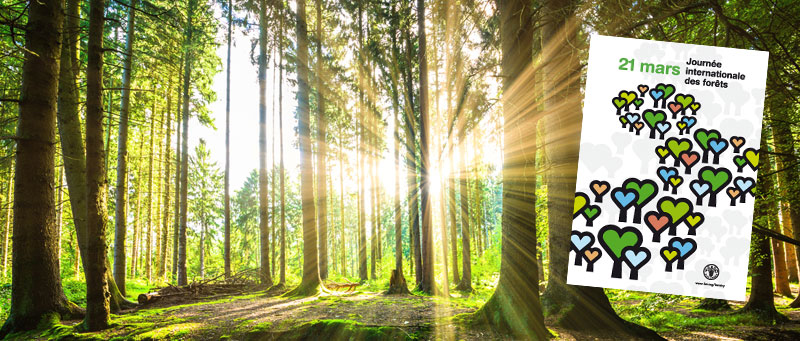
(202, 248)
(760, 302)
(120, 214)
(135, 250)
(370, 174)
(778, 255)
(359, 129)
(77, 257)
(97, 305)
(397, 280)
(466, 251)
(187, 75)
(575, 307)
(72, 144)
(786, 223)
(784, 185)
(263, 215)
(148, 238)
(273, 194)
(443, 184)
(451, 203)
(411, 161)
(785, 148)
(310, 284)
(178, 174)
(452, 18)
(9, 208)
(443, 228)
(341, 203)
(282, 281)
(35, 272)
(362, 230)
(167, 160)
(322, 151)
(428, 285)
(519, 278)
(227, 199)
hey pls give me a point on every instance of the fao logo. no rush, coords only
(711, 272)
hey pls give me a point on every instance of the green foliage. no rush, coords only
(205, 211)
(5, 300)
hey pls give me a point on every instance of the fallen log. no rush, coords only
(338, 286)
(148, 298)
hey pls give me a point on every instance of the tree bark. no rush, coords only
(282, 281)
(360, 147)
(443, 231)
(310, 284)
(137, 222)
(72, 144)
(441, 175)
(97, 305)
(202, 247)
(466, 253)
(149, 234)
(9, 208)
(167, 160)
(519, 278)
(227, 199)
(263, 216)
(273, 172)
(411, 160)
(370, 174)
(779, 256)
(178, 174)
(428, 285)
(187, 75)
(342, 251)
(397, 281)
(786, 223)
(35, 271)
(451, 189)
(575, 307)
(760, 302)
(785, 148)
(120, 213)
(784, 185)
(322, 151)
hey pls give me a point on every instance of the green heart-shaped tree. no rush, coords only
(645, 190)
(613, 239)
(718, 178)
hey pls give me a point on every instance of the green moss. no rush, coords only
(334, 329)
(664, 321)
(54, 331)
(169, 332)
(261, 327)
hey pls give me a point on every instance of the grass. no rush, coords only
(333, 329)
(172, 331)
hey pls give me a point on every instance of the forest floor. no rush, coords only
(363, 314)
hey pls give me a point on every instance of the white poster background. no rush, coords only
(612, 153)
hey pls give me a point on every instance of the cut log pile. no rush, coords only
(235, 284)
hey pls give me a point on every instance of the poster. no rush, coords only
(668, 162)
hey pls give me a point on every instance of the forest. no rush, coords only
(353, 170)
